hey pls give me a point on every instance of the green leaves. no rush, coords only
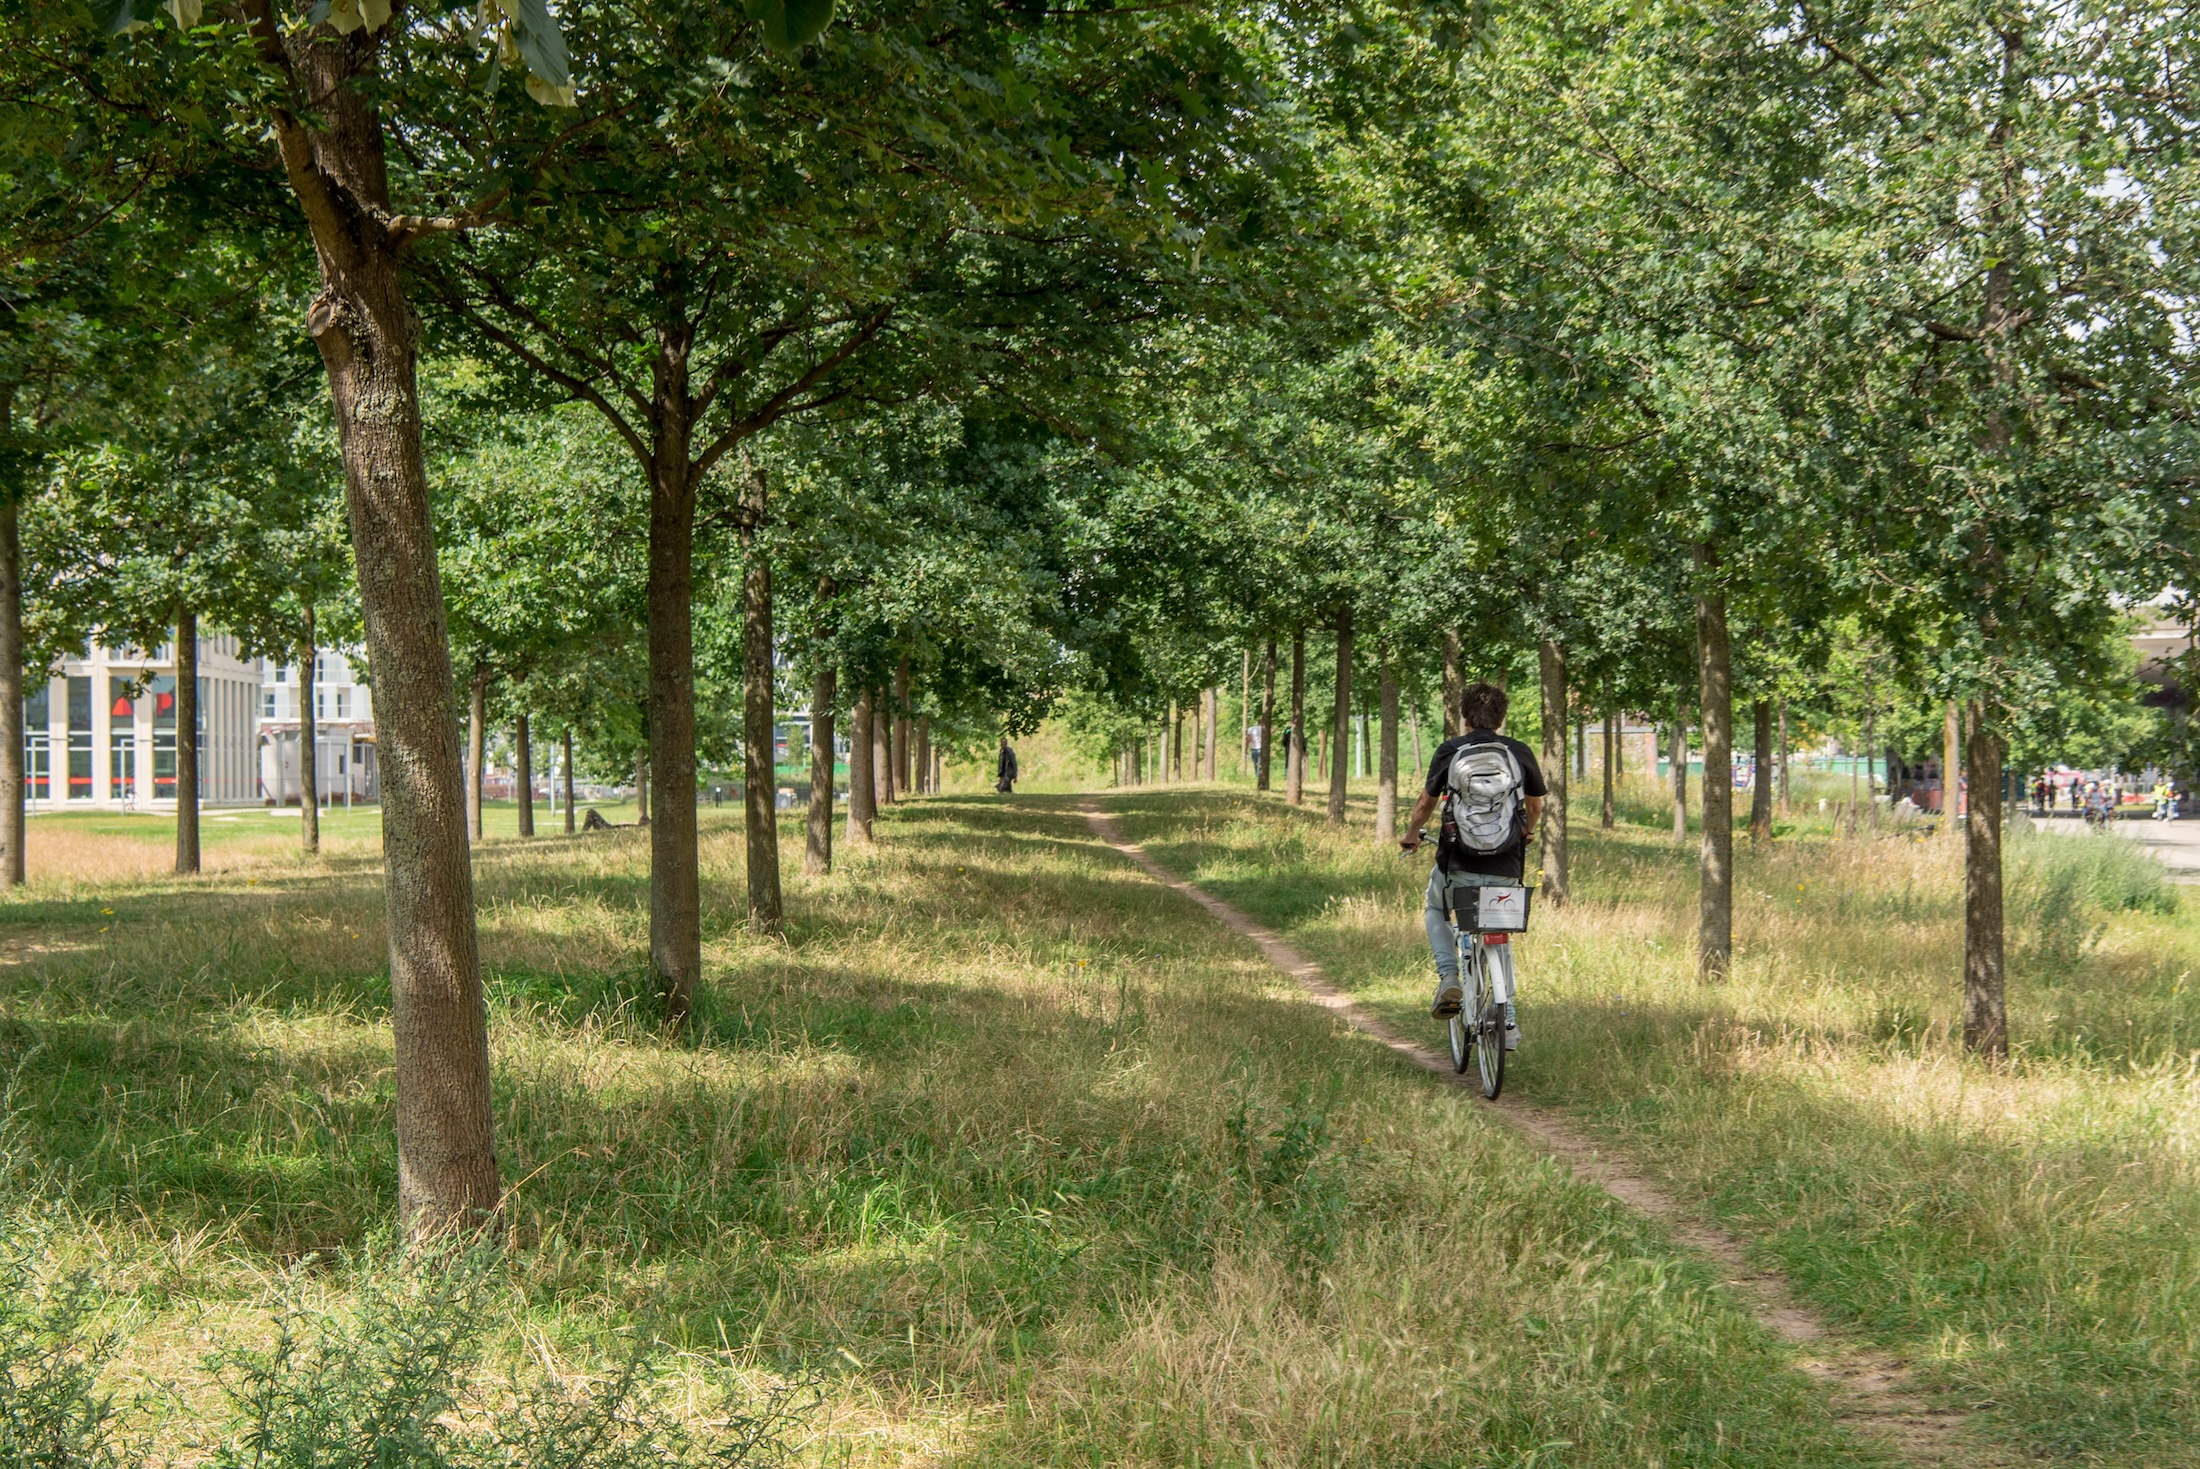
(542, 44)
(789, 25)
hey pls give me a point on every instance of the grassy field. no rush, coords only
(1010, 1155)
(2027, 1235)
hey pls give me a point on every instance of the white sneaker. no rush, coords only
(1512, 1037)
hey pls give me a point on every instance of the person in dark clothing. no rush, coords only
(1483, 705)
(1004, 769)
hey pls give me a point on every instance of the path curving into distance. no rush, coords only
(1871, 1392)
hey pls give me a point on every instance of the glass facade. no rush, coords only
(38, 743)
(121, 739)
(80, 738)
(162, 691)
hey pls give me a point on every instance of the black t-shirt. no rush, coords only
(1511, 860)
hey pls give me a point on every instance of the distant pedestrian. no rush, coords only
(1004, 769)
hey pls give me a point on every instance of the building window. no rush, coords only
(282, 675)
(163, 690)
(343, 703)
(267, 704)
(121, 739)
(80, 738)
(38, 743)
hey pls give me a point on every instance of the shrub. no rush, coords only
(2061, 888)
(390, 1382)
(53, 1341)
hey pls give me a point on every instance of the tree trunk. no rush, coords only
(1268, 713)
(862, 783)
(13, 822)
(1581, 751)
(1245, 711)
(1386, 761)
(366, 330)
(641, 786)
(882, 752)
(1611, 770)
(567, 762)
(1551, 660)
(1340, 724)
(1985, 1009)
(524, 789)
(1294, 755)
(187, 742)
(1715, 931)
(1454, 686)
(1871, 765)
(1784, 756)
(925, 783)
(675, 879)
(760, 783)
(904, 761)
(817, 851)
(1760, 782)
(1413, 727)
(309, 735)
(1680, 770)
(1951, 767)
(477, 746)
(1199, 735)
(1214, 719)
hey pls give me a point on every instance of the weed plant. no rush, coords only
(2024, 1232)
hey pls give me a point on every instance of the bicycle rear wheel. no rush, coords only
(1460, 1027)
(1484, 1022)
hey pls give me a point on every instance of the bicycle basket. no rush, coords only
(1497, 908)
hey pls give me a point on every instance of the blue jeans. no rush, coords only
(1443, 939)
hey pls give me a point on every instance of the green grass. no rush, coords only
(2027, 1235)
(1021, 1157)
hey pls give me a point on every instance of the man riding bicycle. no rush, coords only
(1464, 855)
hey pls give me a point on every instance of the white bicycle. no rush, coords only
(1484, 918)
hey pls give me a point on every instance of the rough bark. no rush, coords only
(1951, 767)
(1551, 666)
(566, 739)
(862, 787)
(187, 742)
(1679, 756)
(367, 333)
(1267, 712)
(12, 820)
(760, 779)
(817, 851)
(904, 757)
(477, 748)
(675, 882)
(1294, 754)
(1214, 718)
(1783, 756)
(1715, 676)
(1985, 1007)
(1455, 685)
(524, 786)
(882, 752)
(641, 787)
(309, 734)
(1386, 762)
(924, 755)
(1760, 784)
(1611, 770)
(1340, 725)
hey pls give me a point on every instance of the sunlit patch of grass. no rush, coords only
(1019, 1154)
(2025, 1232)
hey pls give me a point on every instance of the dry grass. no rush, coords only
(2025, 1232)
(1021, 1157)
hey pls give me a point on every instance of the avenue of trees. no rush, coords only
(616, 374)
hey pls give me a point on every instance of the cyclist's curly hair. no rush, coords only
(1483, 705)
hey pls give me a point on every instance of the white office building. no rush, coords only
(100, 732)
(344, 766)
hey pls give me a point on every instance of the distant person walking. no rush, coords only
(1004, 769)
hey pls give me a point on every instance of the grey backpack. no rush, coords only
(1484, 793)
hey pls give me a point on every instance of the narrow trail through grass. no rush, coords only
(1870, 1391)
(2025, 1236)
(1017, 1158)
